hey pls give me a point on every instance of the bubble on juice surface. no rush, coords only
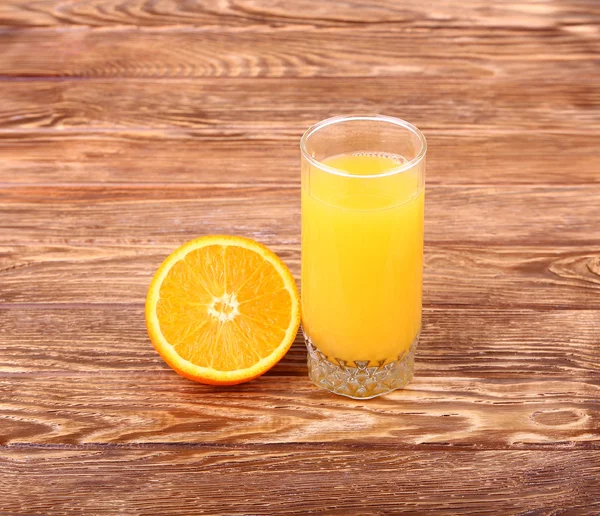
(385, 155)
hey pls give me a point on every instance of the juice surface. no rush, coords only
(362, 257)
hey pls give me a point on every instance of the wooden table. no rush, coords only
(128, 127)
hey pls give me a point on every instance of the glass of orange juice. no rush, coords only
(362, 252)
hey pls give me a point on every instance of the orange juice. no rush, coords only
(362, 256)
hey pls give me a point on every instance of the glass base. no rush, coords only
(357, 379)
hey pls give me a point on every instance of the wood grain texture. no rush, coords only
(457, 342)
(294, 480)
(96, 215)
(293, 51)
(130, 126)
(81, 157)
(468, 13)
(550, 103)
(162, 407)
(499, 276)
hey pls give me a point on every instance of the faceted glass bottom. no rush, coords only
(357, 379)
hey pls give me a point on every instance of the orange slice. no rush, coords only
(222, 310)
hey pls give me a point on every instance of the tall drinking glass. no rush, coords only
(362, 252)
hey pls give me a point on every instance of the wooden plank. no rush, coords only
(255, 104)
(294, 480)
(162, 407)
(97, 215)
(455, 275)
(467, 13)
(457, 342)
(454, 157)
(300, 51)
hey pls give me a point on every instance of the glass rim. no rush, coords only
(375, 118)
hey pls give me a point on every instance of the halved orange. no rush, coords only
(222, 310)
